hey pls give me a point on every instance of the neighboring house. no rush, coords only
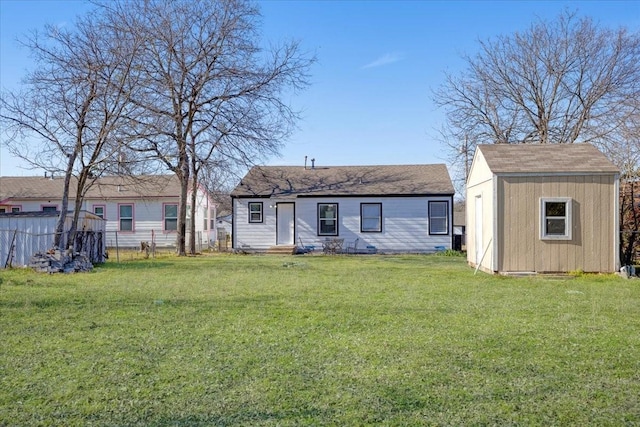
(406, 208)
(136, 210)
(459, 226)
(542, 208)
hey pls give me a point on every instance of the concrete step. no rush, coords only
(282, 250)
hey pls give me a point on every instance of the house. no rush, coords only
(459, 226)
(404, 208)
(142, 208)
(542, 208)
(23, 234)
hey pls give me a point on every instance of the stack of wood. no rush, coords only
(55, 261)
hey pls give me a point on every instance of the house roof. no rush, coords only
(546, 158)
(335, 181)
(109, 187)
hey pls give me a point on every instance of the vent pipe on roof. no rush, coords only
(313, 163)
(45, 174)
(305, 162)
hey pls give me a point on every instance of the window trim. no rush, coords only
(336, 219)
(362, 218)
(104, 210)
(164, 217)
(567, 217)
(446, 218)
(133, 223)
(261, 212)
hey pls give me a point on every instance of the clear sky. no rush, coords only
(370, 99)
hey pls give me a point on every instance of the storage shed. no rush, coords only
(542, 208)
(22, 234)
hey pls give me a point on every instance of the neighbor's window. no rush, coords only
(438, 217)
(170, 214)
(99, 210)
(49, 208)
(125, 217)
(255, 212)
(555, 218)
(327, 219)
(371, 217)
(15, 209)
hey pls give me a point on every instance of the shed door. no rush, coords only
(478, 228)
(285, 224)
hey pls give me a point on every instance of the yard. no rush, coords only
(267, 340)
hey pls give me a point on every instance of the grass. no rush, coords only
(261, 341)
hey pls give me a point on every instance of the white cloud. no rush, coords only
(386, 59)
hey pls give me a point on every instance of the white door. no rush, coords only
(478, 227)
(285, 224)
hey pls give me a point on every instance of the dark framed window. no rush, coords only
(555, 218)
(49, 208)
(327, 219)
(170, 216)
(438, 217)
(125, 217)
(371, 217)
(98, 210)
(256, 211)
(15, 209)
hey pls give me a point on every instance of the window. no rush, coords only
(3, 210)
(327, 219)
(371, 217)
(15, 209)
(99, 210)
(49, 208)
(555, 218)
(255, 212)
(438, 218)
(170, 215)
(205, 224)
(125, 217)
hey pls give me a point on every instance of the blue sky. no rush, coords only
(370, 99)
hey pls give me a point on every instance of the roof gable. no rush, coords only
(545, 158)
(295, 181)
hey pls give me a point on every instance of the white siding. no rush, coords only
(405, 223)
(480, 184)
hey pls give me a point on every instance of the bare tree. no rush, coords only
(563, 81)
(71, 105)
(206, 82)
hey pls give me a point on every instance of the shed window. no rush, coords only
(327, 219)
(170, 213)
(371, 217)
(125, 217)
(555, 218)
(438, 217)
(255, 212)
(99, 210)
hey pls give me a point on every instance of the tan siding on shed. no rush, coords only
(591, 247)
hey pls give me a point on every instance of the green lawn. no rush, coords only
(315, 340)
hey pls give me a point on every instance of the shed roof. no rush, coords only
(108, 187)
(546, 158)
(335, 181)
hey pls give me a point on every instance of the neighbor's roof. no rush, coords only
(297, 181)
(109, 187)
(546, 158)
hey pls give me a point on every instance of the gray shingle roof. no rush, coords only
(546, 158)
(110, 187)
(296, 181)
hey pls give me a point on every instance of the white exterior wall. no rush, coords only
(147, 219)
(481, 184)
(405, 223)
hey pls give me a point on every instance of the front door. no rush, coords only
(285, 224)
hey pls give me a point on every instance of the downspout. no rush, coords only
(233, 223)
